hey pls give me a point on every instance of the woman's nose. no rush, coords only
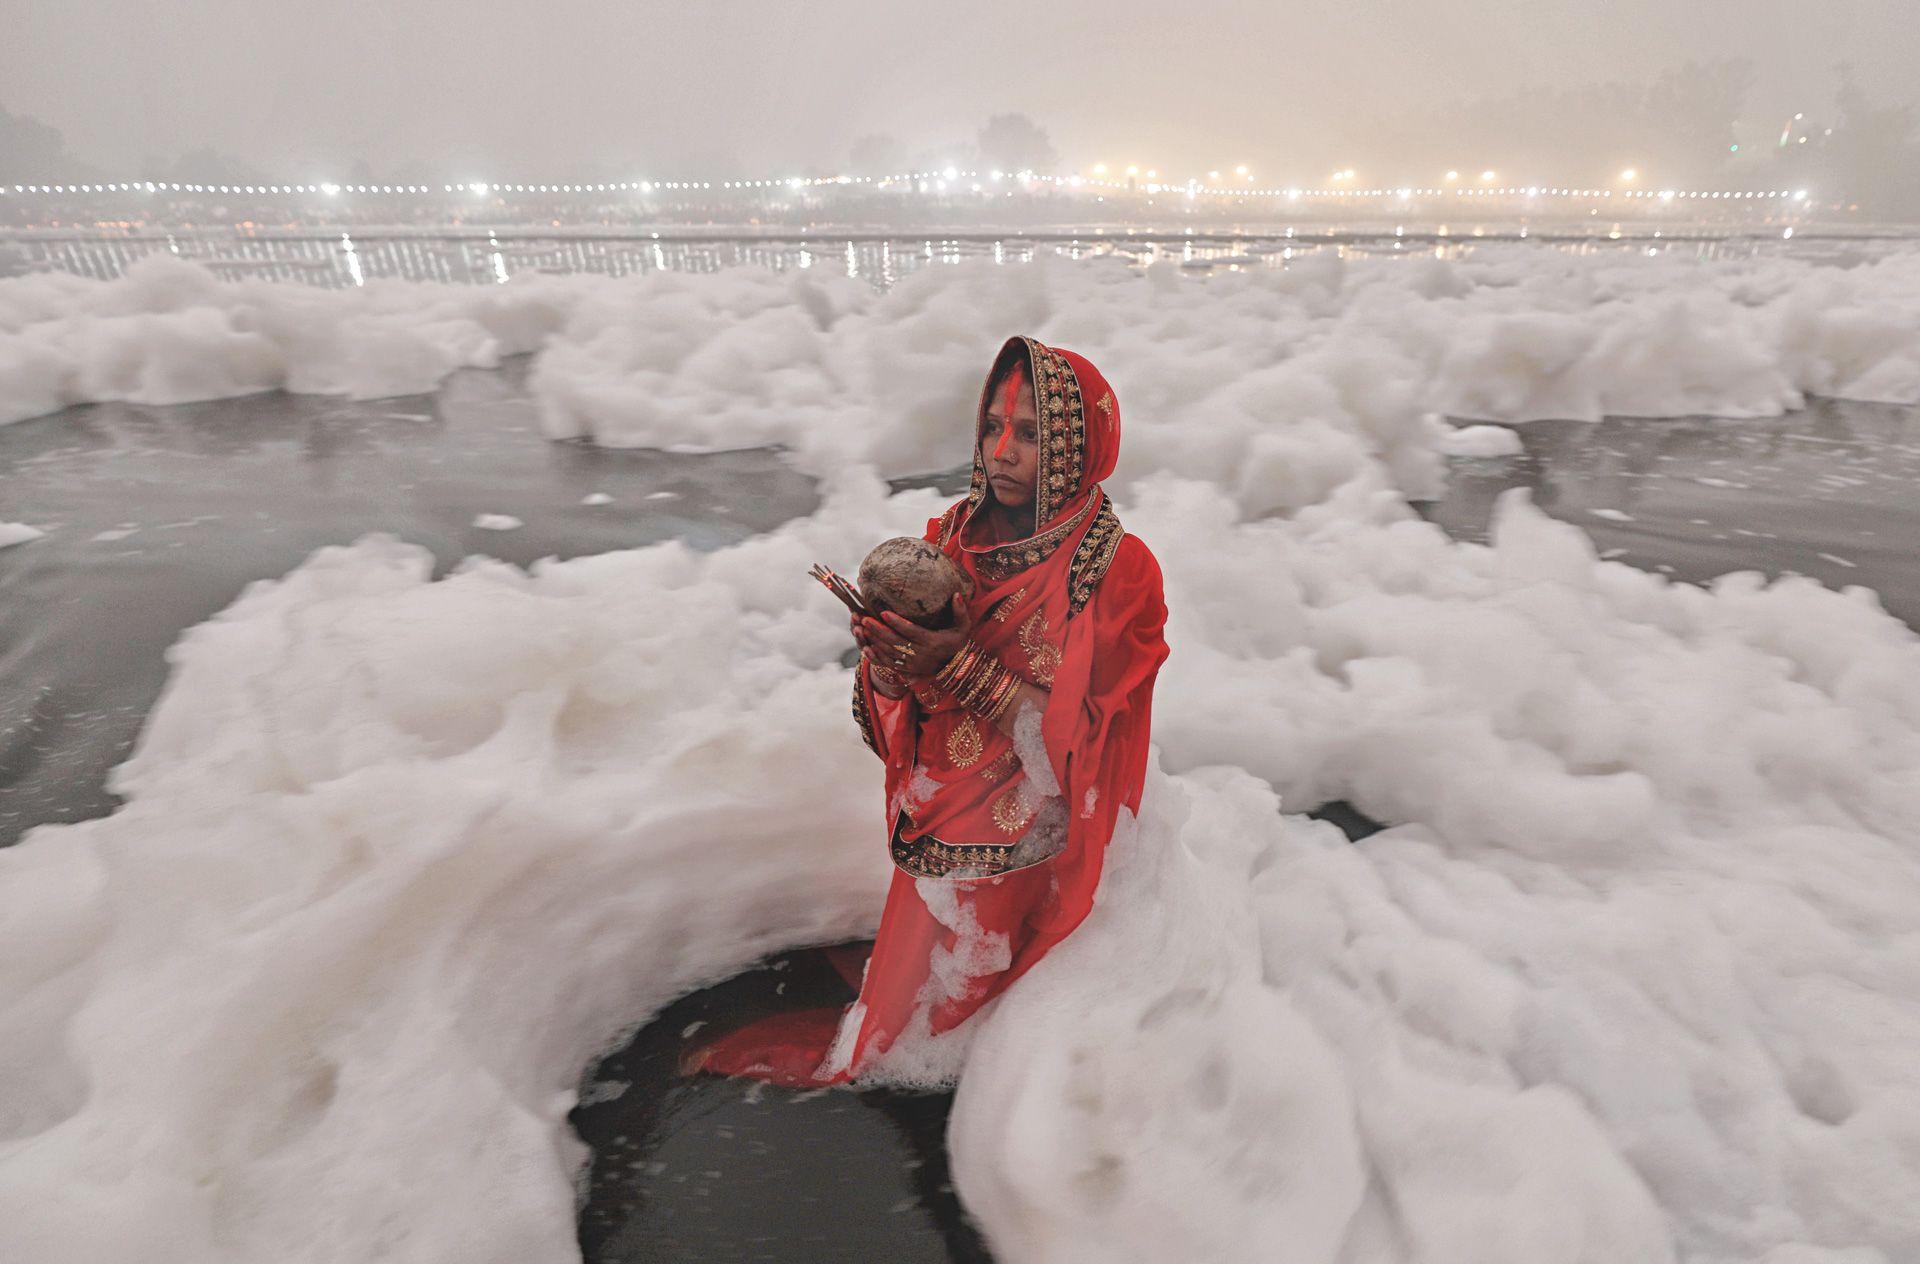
(1000, 449)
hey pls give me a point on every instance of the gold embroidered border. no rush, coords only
(1093, 557)
(1006, 560)
(1062, 426)
(928, 857)
(860, 716)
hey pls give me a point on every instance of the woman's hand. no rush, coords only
(911, 649)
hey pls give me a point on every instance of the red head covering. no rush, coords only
(1078, 427)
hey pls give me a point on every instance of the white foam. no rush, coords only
(1278, 386)
(12, 533)
(1482, 441)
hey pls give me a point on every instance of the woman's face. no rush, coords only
(1009, 444)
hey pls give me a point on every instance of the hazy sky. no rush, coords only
(748, 87)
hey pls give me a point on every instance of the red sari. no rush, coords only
(998, 844)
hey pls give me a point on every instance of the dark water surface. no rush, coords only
(1832, 492)
(158, 517)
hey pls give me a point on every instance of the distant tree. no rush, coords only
(32, 151)
(1014, 142)
(958, 154)
(1874, 153)
(412, 171)
(1676, 128)
(876, 154)
(207, 165)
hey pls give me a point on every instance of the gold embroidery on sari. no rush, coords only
(1009, 813)
(947, 522)
(860, 715)
(1004, 611)
(1062, 425)
(1006, 560)
(1002, 768)
(928, 857)
(1043, 657)
(964, 743)
(1093, 557)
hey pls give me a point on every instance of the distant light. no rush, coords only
(1487, 177)
(951, 173)
(1099, 168)
(479, 188)
(1152, 174)
(330, 189)
(1452, 176)
(1133, 171)
(1241, 171)
(1629, 175)
(1800, 196)
(1213, 175)
(1733, 149)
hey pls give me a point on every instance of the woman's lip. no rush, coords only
(1000, 478)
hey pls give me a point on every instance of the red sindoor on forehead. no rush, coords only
(1016, 377)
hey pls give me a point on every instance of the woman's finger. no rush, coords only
(880, 634)
(905, 629)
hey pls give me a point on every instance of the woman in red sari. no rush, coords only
(1011, 740)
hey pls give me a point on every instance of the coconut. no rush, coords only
(914, 579)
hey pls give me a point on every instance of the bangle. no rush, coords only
(1002, 699)
(958, 666)
(979, 681)
(885, 675)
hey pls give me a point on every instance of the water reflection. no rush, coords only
(491, 256)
